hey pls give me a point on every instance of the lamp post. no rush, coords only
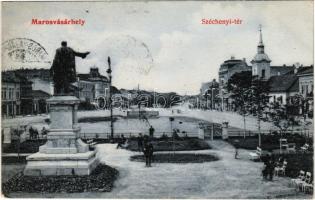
(212, 106)
(109, 72)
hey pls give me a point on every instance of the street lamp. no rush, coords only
(212, 105)
(109, 72)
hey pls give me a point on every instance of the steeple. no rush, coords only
(261, 62)
(260, 47)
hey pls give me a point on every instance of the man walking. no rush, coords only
(148, 153)
(151, 131)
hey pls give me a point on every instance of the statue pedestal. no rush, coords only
(64, 152)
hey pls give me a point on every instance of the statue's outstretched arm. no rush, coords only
(82, 55)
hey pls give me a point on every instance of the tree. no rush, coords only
(259, 101)
(278, 114)
(239, 86)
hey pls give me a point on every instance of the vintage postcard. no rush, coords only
(157, 99)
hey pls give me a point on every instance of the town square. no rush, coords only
(112, 105)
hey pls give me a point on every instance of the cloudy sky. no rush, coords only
(163, 45)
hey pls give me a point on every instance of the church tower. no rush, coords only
(261, 62)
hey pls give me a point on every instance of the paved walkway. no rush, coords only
(226, 178)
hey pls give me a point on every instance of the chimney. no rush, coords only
(296, 67)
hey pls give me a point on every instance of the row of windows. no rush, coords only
(85, 85)
(305, 89)
(8, 94)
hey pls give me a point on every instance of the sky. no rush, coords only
(163, 46)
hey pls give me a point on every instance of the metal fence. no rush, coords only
(303, 132)
(117, 134)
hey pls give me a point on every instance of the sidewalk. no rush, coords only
(226, 178)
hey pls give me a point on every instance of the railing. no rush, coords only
(304, 132)
(134, 134)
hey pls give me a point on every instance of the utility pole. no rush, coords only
(109, 72)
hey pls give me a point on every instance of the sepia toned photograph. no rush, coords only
(157, 99)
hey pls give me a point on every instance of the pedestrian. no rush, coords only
(148, 153)
(31, 131)
(265, 171)
(35, 133)
(271, 166)
(236, 149)
(44, 131)
(151, 131)
(140, 142)
(151, 151)
(121, 141)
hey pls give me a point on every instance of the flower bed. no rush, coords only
(102, 179)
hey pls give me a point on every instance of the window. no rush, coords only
(263, 73)
(10, 91)
(17, 95)
(3, 93)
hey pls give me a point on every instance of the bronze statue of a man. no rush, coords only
(63, 68)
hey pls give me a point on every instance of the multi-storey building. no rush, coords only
(10, 95)
(100, 83)
(229, 67)
(284, 81)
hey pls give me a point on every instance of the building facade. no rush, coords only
(85, 90)
(229, 67)
(18, 96)
(282, 88)
(285, 81)
(100, 84)
(10, 95)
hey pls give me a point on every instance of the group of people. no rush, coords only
(269, 166)
(146, 146)
(122, 142)
(33, 133)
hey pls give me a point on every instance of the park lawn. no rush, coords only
(296, 161)
(177, 158)
(268, 142)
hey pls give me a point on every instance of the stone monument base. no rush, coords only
(41, 164)
(64, 152)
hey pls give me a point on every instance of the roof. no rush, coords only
(261, 57)
(88, 77)
(234, 62)
(274, 70)
(40, 94)
(283, 83)
(13, 77)
(305, 71)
